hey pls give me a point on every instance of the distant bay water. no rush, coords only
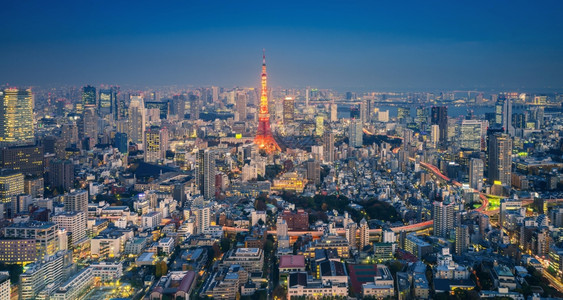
(454, 111)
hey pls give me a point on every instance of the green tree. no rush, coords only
(225, 244)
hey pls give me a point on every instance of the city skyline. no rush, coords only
(354, 46)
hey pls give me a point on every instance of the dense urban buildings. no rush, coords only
(317, 182)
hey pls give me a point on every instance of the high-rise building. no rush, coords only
(61, 175)
(16, 117)
(319, 125)
(90, 125)
(440, 117)
(356, 133)
(178, 106)
(499, 106)
(333, 112)
(403, 114)
(364, 234)
(241, 104)
(328, 146)
(471, 134)
(25, 159)
(205, 170)
(34, 186)
(314, 172)
(351, 234)
(500, 159)
(69, 134)
(202, 218)
(476, 168)
(76, 201)
(365, 111)
(507, 205)
(11, 185)
(288, 110)
(88, 97)
(5, 286)
(121, 143)
(264, 138)
(194, 107)
(156, 144)
(74, 222)
(45, 235)
(435, 135)
(422, 118)
(107, 102)
(507, 117)
(137, 121)
(443, 216)
(461, 239)
(39, 275)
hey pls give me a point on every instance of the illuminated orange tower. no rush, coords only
(264, 138)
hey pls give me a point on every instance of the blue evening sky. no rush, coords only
(356, 45)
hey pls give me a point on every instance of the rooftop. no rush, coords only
(292, 261)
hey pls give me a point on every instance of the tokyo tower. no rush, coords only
(264, 138)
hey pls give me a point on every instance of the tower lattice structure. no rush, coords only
(264, 138)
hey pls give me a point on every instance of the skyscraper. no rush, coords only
(205, 173)
(443, 216)
(422, 118)
(365, 111)
(264, 138)
(90, 125)
(403, 114)
(500, 159)
(507, 117)
(476, 167)
(137, 119)
(328, 146)
(435, 135)
(241, 103)
(61, 175)
(156, 144)
(88, 97)
(288, 110)
(178, 106)
(194, 107)
(499, 106)
(107, 101)
(355, 133)
(16, 117)
(121, 142)
(440, 118)
(471, 131)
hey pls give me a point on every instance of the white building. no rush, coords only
(151, 220)
(73, 222)
(5, 286)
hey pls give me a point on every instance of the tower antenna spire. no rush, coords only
(264, 138)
